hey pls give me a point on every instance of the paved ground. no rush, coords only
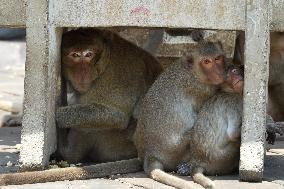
(9, 151)
(11, 89)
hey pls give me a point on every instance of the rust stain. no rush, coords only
(141, 10)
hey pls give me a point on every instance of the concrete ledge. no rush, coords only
(228, 15)
(13, 13)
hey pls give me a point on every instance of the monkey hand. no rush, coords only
(272, 129)
(184, 169)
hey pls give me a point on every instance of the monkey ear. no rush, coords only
(189, 59)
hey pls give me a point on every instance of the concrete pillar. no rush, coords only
(255, 90)
(42, 75)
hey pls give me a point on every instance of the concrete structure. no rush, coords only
(255, 90)
(45, 18)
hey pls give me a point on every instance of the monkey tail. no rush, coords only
(72, 173)
(200, 178)
(156, 172)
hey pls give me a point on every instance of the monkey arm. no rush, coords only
(95, 116)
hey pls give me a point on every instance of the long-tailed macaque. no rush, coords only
(214, 140)
(215, 137)
(170, 109)
(108, 77)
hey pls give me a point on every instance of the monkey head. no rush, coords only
(234, 80)
(84, 58)
(209, 63)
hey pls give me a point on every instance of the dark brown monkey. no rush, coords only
(108, 77)
(170, 109)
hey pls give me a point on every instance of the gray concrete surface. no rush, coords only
(273, 172)
(13, 13)
(41, 87)
(257, 48)
(144, 13)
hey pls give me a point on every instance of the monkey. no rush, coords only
(214, 145)
(170, 108)
(214, 140)
(276, 68)
(108, 76)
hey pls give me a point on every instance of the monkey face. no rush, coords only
(81, 54)
(78, 68)
(235, 79)
(213, 68)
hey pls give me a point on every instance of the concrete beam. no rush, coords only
(13, 13)
(42, 75)
(216, 14)
(255, 90)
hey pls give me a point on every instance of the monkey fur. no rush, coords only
(170, 109)
(108, 77)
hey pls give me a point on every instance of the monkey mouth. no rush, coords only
(237, 82)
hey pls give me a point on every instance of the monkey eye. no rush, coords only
(235, 71)
(206, 61)
(218, 57)
(75, 54)
(89, 54)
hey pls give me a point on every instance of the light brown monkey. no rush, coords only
(276, 80)
(170, 109)
(214, 140)
(108, 76)
(215, 137)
